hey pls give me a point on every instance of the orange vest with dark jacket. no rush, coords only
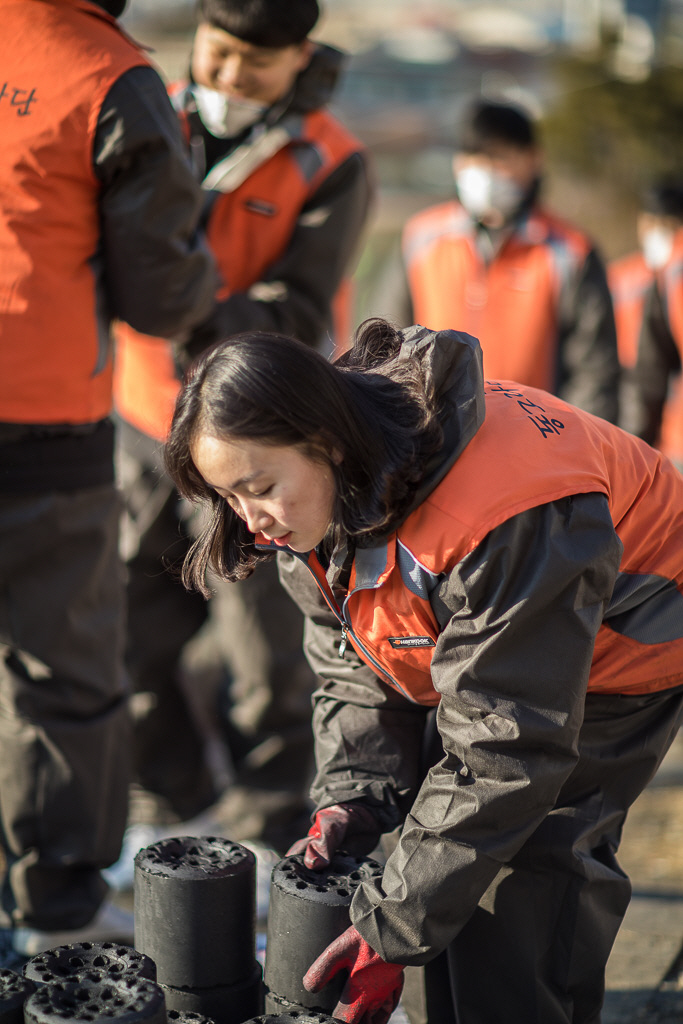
(630, 280)
(537, 449)
(672, 418)
(62, 60)
(248, 230)
(511, 305)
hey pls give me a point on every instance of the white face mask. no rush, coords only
(657, 246)
(483, 192)
(226, 116)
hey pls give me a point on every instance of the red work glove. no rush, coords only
(373, 988)
(332, 828)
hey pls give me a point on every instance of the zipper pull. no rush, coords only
(342, 645)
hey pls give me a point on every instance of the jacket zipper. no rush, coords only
(346, 630)
(342, 644)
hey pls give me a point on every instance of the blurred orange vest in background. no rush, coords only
(630, 280)
(248, 229)
(511, 304)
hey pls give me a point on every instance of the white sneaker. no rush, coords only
(110, 924)
(266, 859)
(120, 876)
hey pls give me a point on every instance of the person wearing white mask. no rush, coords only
(495, 263)
(288, 191)
(647, 290)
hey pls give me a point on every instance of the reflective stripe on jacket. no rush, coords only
(511, 305)
(55, 364)
(249, 226)
(531, 449)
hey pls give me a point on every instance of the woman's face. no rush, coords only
(277, 489)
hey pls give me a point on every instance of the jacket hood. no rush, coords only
(453, 368)
(315, 85)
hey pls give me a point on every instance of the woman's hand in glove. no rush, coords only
(332, 829)
(373, 988)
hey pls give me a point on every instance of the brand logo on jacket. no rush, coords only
(411, 641)
(261, 206)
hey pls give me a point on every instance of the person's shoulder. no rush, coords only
(445, 218)
(447, 212)
(324, 126)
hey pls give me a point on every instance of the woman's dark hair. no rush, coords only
(372, 407)
(271, 23)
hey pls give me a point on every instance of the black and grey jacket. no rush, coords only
(518, 620)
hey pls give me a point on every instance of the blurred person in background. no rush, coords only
(98, 219)
(647, 291)
(495, 263)
(287, 195)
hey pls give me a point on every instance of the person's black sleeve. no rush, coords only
(158, 274)
(294, 295)
(645, 385)
(520, 616)
(588, 371)
(368, 737)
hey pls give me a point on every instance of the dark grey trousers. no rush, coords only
(64, 725)
(536, 948)
(246, 644)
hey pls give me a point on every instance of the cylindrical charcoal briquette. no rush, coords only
(98, 1000)
(195, 910)
(14, 991)
(308, 910)
(297, 1015)
(178, 1017)
(76, 959)
(225, 1004)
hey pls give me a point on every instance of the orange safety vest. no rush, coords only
(511, 305)
(536, 449)
(671, 434)
(59, 62)
(248, 230)
(630, 279)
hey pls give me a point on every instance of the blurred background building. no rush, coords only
(604, 76)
